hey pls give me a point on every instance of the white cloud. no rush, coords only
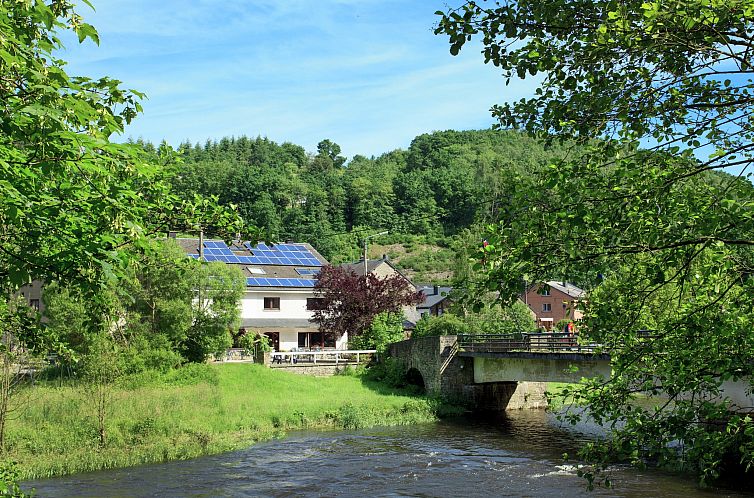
(368, 74)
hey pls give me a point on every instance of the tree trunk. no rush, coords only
(6, 384)
(101, 414)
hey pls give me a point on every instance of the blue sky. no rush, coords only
(367, 74)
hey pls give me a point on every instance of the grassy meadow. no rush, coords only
(197, 410)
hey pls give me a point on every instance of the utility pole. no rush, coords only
(201, 258)
(365, 248)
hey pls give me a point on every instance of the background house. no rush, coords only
(279, 298)
(381, 267)
(437, 300)
(553, 302)
(32, 294)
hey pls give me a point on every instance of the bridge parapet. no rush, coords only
(524, 342)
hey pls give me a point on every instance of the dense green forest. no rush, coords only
(434, 198)
(428, 196)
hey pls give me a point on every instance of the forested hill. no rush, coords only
(425, 196)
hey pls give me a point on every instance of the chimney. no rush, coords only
(437, 290)
(384, 257)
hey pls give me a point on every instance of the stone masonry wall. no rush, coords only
(313, 370)
(453, 378)
(457, 381)
(424, 354)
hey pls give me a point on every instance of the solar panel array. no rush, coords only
(279, 282)
(283, 254)
(262, 254)
(307, 271)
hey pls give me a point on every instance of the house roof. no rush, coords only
(372, 264)
(567, 288)
(358, 266)
(431, 297)
(281, 323)
(269, 266)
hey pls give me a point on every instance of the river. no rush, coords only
(518, 454)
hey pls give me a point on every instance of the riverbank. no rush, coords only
(216, 409)
(518, 453)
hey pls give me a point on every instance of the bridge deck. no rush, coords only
(537, 355)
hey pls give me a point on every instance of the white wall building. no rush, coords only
(279, 290)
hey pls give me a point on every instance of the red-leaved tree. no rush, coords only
(350, 302)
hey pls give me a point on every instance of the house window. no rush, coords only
(256, 271)
(272, 303)
(544, 292)
(546, 307)
(34, 303)
(314, 303)
(308, 340)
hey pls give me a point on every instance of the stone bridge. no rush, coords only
(494, 377)
(505, 372)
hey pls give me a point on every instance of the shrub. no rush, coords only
(143, 430)
(391, 372)
(445, 324)
(143, 354)
(255, 343)
(191, 374)
(349, 416)
(386, 329)
(9, 478)
(353, 371)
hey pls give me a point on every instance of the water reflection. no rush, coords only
(515, 455)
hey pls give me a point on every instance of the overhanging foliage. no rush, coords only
(654, 234)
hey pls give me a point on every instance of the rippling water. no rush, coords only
(515, 455)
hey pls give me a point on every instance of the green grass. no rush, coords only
(234, 405)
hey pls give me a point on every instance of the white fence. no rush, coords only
(336, 355)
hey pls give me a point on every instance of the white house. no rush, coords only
(279, 297)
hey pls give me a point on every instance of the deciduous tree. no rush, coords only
(216, 312)
(69, 197)
(385, 329)
(653, 225)
(20, 344)
(350, 302)
(167, 301)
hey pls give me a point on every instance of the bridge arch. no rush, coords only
(425, 359)
(414, 377)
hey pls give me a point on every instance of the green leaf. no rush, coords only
(85, 31)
